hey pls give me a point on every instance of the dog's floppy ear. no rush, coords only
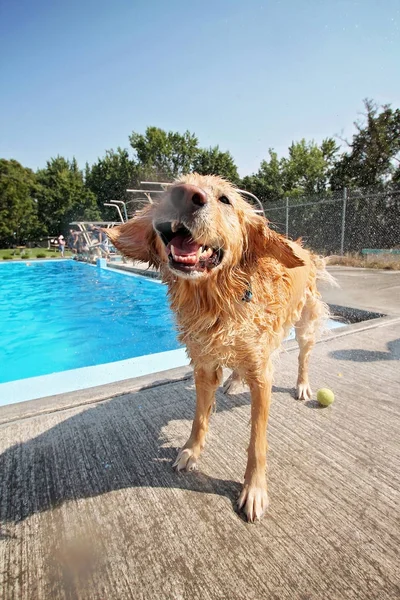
(137, 239)
(263, 241)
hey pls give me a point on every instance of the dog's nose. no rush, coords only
(186, 194)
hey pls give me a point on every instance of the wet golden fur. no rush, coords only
(217, 326)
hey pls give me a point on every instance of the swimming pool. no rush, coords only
(62, 315)
(67, 326)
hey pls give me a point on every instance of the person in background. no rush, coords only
(72, 240)
(61, 244)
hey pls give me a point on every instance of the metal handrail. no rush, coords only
(118, 209)
(259, 210)
(123, 204)
(110, 223)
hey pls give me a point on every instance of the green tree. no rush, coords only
(373, 153)
(306, 171)
(212, 161)
(396, 178)
(268, 183)
(308, 168)
(167, 154)
(63, 196)
(110, 177)
(19, 188)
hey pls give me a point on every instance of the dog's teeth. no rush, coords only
(174, 226)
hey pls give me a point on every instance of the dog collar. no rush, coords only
(248, 295)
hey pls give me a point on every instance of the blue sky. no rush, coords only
(78, 77)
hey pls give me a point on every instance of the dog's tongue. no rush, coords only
(184, 244)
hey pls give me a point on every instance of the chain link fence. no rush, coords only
(347, 221)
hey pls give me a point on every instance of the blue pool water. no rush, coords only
(58, 316)
(62, 315)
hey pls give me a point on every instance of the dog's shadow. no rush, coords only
(117, 444)
(284, 390)
(361, 355)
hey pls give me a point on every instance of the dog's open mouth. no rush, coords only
(184, 253)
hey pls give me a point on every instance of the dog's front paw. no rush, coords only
(303, 391)
(186, 460)
(254, 500)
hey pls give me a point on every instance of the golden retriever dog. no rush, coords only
(236, 287)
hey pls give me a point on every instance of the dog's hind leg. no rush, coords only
(207, 381)
(306, 329)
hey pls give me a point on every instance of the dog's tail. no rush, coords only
(322, 310)
(320, 263)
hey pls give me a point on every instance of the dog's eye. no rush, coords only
(224, 200)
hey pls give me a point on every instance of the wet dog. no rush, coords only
(236, 287)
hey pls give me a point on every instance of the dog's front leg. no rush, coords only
(207, 380)
(254, 497)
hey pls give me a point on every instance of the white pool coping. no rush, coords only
(42, 386)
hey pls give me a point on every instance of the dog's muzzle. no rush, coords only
(184, 253)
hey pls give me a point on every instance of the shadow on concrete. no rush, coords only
(120, 443)
(285, 390)
(314, 404)
(358, 355)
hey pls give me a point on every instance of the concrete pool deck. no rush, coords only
(376, 290)
(90, 507)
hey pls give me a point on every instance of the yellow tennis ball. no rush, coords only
(325, 396)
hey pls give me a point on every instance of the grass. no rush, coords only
(376, 261)
(30, 253)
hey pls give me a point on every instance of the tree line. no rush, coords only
(41, 203)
